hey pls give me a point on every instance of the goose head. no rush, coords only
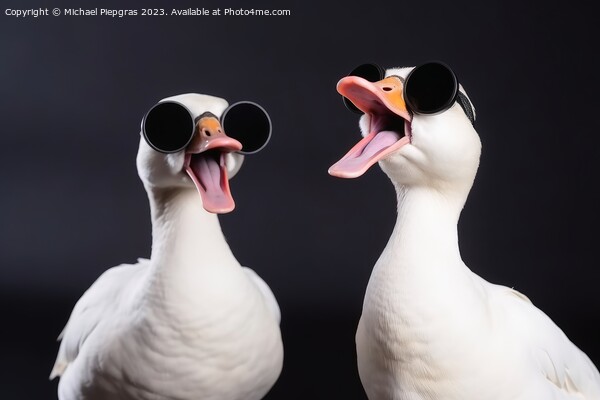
(206, 162)
(439, 150)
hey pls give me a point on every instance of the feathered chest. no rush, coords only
(416, 305)
(178, 352)
(415, 325)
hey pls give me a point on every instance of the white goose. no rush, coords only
(430, 328)
(190, 323)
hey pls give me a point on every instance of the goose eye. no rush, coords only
(248, 123)
(168, 127)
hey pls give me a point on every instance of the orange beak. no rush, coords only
(205, 163)
(389, 128)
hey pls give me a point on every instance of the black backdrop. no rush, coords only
(74, 90)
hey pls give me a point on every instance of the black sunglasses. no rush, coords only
(430, 88)
(169, 126)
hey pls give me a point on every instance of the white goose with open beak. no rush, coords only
(431, 328)
(190, 322)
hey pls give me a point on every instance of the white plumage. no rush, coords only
(431, 328)
(190, 323)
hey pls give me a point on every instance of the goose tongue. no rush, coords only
(364, 154)
(209, 173)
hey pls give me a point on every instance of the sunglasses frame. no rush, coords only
(222, 121)
(457, 97)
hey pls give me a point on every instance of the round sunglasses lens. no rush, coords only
(248, 123)
(370, 72)
(168, 127)
(430, 88)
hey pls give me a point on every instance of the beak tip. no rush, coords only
(347, 83)
(224, 210)
(337, 173)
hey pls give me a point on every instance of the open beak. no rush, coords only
(205, 163)
(389, 128)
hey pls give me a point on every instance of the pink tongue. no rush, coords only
(211, 181)
(362, 158)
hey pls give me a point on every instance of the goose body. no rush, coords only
(431, 328)
(190, 322)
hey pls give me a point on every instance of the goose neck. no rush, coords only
(184, 234)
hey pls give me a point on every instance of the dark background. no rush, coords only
(74, 90)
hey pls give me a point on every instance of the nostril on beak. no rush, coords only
(387, 88)
(206, 132)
